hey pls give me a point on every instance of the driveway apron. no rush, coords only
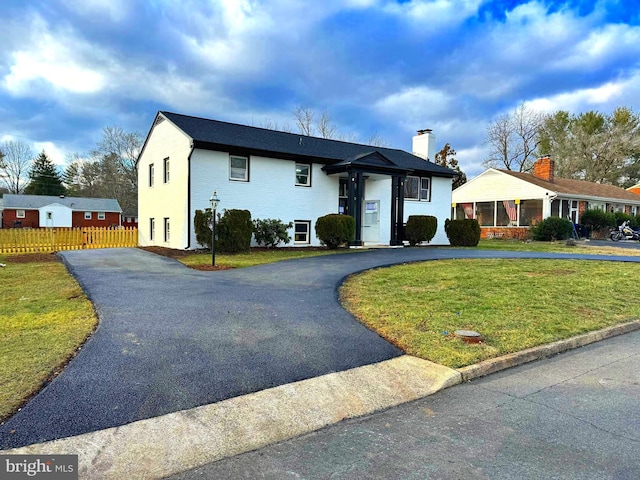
(171, 338)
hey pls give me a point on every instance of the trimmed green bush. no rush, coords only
(552, 228)
(597, 219)
(234, 231)
(334, 229)
(270, 232)
(202, 227)
(420, 228)
(462, 233)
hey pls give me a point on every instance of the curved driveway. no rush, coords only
(171, 338)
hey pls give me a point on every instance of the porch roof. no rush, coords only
(374, 162)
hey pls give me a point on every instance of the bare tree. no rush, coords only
(304, 120)
(325, 126)
(514, 139)
(15, 165)
(270, 124)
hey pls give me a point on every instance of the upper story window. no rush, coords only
(166, 170)
(239, 168)
(151, 175)
(87, 215)
(303, 175)
(417, 188)
(20, 214)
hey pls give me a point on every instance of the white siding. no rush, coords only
(492, 185)
(439, 207)
(164, 200)
(270, 192)
(61, 216)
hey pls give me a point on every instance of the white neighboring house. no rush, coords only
(291, 177)
(507, 203)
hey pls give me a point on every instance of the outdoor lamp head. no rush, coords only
(214, 201)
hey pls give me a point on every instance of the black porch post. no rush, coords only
(400, 215)
(354, 203)
(394, 205)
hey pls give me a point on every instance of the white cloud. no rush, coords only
(56, 154)
(53, 59)
(434, 15)
(414, 106)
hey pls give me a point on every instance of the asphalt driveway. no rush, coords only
(171, 338)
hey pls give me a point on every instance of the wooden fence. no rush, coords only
(46, 240)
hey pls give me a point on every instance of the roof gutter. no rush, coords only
(189, 196)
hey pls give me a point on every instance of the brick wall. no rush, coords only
(519, 233)
(111, 218)
(31, 220)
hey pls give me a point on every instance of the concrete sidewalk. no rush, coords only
(170, 444)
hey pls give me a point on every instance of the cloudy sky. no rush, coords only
(68, 68)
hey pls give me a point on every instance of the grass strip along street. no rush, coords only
(44, 318)
(514, 304)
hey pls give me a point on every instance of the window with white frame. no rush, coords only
(417, 188)
(302, 231)
(166, 230)
(303, 175)
(166, 170)
(87, 215)
(20, 214)
(151, 175)
(101, 216)
(425, 189)
(238, 168)
(152, 228)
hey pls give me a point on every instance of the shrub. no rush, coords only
(420, 228)
(270, 232)
(597, 219)
(462, 233)
(202, 227)
(625, 217)
(334, 229)
(234, 231)
(552, 228)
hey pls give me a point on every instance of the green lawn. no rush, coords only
(514, 304)
(555, 247)
(256, 257)
(44, 318)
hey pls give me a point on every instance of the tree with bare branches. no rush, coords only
(15, 164)
(514, 139)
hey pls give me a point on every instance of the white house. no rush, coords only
(507, 203)
(288, 176)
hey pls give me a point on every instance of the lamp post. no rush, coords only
(214, 205)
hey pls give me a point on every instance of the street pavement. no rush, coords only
(573, 416)
(171, 338)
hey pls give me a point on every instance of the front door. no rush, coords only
(371, 221)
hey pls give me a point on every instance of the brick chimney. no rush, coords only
(544, 168)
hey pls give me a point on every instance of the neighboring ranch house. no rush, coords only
(287, 176)
(507, 203)
(37, 211)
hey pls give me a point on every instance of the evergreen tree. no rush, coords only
(446, 158)
(44, 178)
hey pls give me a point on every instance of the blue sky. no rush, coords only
(68, 68)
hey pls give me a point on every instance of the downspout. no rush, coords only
(189, 197)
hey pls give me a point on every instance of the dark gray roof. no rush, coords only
(214, 135)
(32, 202)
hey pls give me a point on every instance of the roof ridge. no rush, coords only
(164, 112)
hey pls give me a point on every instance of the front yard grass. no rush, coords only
(256, 257)
(44, 318)
(514, 304)
(555, 247)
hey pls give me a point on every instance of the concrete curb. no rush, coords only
(518, 358)
(163, 446)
